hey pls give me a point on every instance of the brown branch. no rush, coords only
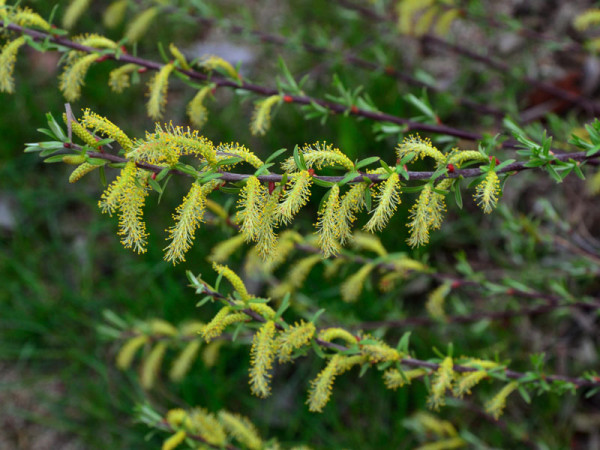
(483, 315)
(333, 107)
(413, 362)
(499, 66)
(413, 175)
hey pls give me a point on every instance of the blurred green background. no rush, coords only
(61, 265)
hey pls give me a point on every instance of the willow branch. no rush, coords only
(475, 317)
(412, 362)
(333, 107)
(517, 166)
(499, 66)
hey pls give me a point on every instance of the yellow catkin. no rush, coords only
(486, 193)
(421, 148)
(388, 199)
(594, 183)
(262, 355)
(296, 276)
(132, 227)
(261, 118)
(196, 110)
(80, 171)
(191, 329)
(407, 12)
(320, 390)
(441, 381)
(129, 349)
(466, 381)
(71, 79)
(369, 242)
(265, 235)
(352, 202)
(437, 204)
(444, 444)
(115, 13)
(296, 196)
(328, 224)
(8, 56)
(157, 91)
(250, 206)
(395, 379)
(235, 281)
(215, 327)
(319, 155)
(25, 17)
(184, 361)
(464, 156)
(263, 309)
(436, 299)
(433, 425)
(102, 125)
(442, 26)
(224, 249)
(179, 56)
(174, 441)
(285, 246)
(210, 355)
(187, 217)
(140, 24)
(73, 12)
(380, 352)
(111, 197)
(80, 131)
(209, 427)
(330, 334)
(587, 19)
(496, 405)
(420, 215)
(177, 418)
(151, 365)
(161, 327)
(119, 78)
(296, 336)
(234, 149)
(212, 62)
(241, 429)
(352, 287)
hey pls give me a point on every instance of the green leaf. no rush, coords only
(285, 304)
(275, 154)
(349, 177)
(163, 173)
(56, 128)
(524, 394)
(54, 159)
(316, 315)
(367, 161)
(155, 185)
(403, 343)
(458, 195)
(386, 167)
(299, 159)
(323, 183)
(421, 105)
(504, 164)
(102, 176)
(229, 161)
(96, 161)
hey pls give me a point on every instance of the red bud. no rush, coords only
(288, 98)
